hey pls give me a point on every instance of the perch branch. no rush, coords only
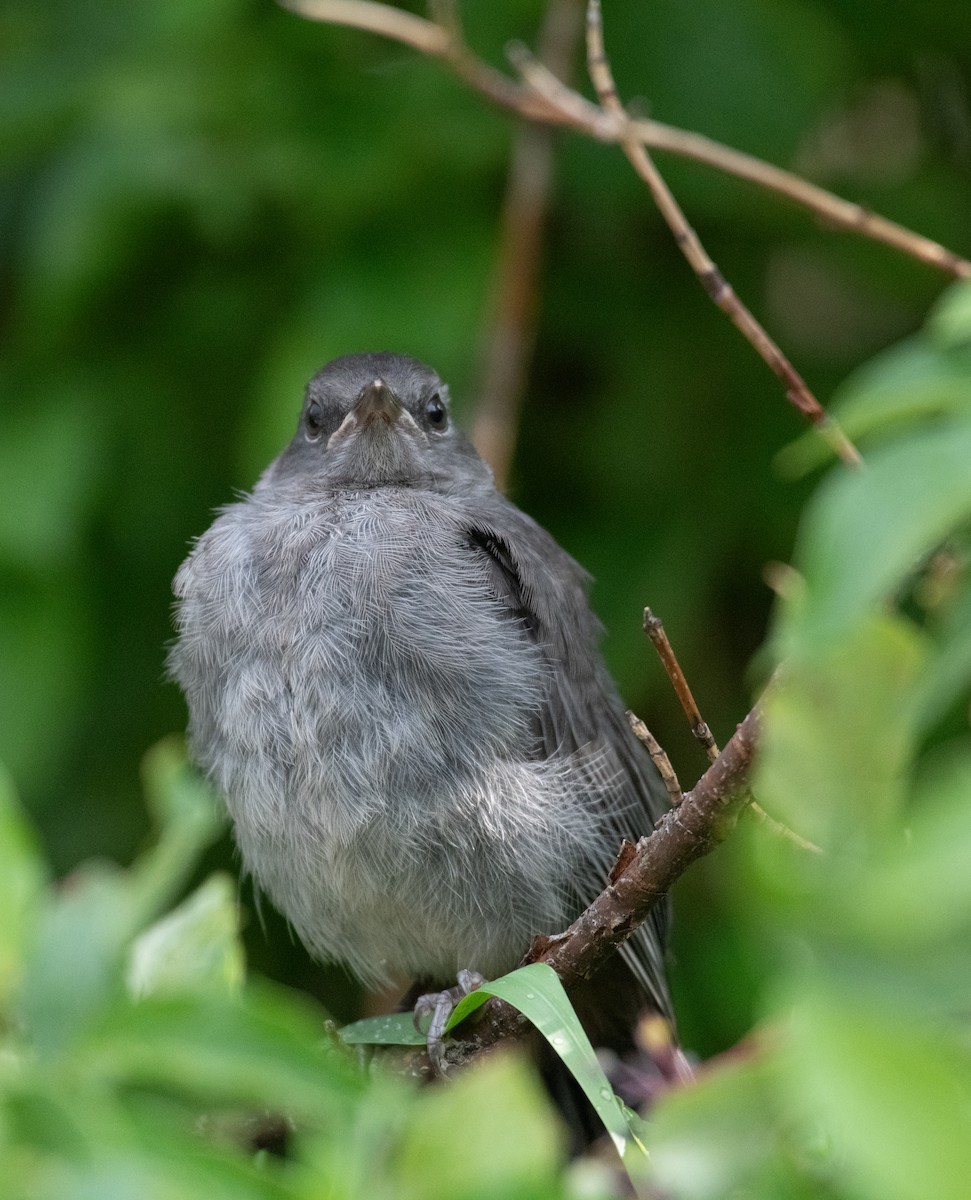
(705, 818)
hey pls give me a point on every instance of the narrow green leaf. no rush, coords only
(538, 994)
(394, 1029)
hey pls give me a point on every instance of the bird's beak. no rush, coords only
(376, 408)
(377, 402)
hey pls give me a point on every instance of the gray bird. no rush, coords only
(393, 680)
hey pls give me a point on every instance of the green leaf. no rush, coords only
(947, 673)
(393, 1029)
(911, 382)
(266, 1050)
(196, 946)
(949, 323)
(722, 1135)
(490, 1133)
(74, 965)
(22, 878)
(919, 889)
(77, 963)
(892, 1096)
(838, 735)
(866, 531)
(190, 819)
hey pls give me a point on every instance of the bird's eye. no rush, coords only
(315, 419)
(436, 413)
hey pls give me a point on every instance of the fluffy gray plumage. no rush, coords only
(393, 679)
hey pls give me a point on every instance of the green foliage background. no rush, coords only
(204, 201)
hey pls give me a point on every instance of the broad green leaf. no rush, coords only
(22, 877)
(947, 672)
(909, 383)
(919, 889)
(266, 1049)
(490, 1133)
(74, 967)
(78, 1141)
(77, 962)
(866, 531)
(893, 1097)
(190, 820)
(838, 737)
(723, 1136)
(949, 323)
(196, 946)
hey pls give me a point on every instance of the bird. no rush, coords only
(393, 678)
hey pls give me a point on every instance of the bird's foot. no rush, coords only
(441, 1006)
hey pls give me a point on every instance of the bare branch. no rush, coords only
(654, 629)
(424, 35)
(512, 325)
(834, 210)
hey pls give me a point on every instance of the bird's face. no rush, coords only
(380, 420)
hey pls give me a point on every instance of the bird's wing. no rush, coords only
(542, 587)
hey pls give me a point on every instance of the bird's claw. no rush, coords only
(440, 1006)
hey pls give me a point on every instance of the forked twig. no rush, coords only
(654, 628)
(543, 97)
(548, 100)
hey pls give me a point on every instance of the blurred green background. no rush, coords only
(204, 200)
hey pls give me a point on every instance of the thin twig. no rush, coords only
(434, 40)
(658, 757)
(512, 326)
(654, 628)
(722, 294)
(832, 209)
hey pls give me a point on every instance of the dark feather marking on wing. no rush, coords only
(506, 580)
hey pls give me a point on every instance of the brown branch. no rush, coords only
(658, 757)
(512, 326)
(834, 210)
(654, 628)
